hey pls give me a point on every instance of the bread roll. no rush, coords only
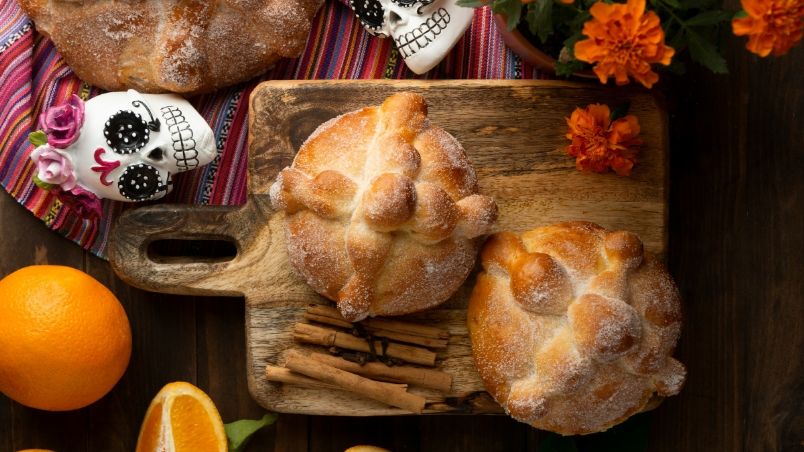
(572, 327)
(383, 211)
(182, 46)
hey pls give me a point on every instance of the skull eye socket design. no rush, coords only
(410, 3)
(126, 132)
(140, 182)
(370, 13)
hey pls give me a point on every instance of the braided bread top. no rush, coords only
(383, 214)
(572, 327)
(182, 46)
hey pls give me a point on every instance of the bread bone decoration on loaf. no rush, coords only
(572, 327)
(383, 211)
(182, 46)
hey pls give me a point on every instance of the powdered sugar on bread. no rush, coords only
(572, 327)
(400, 204)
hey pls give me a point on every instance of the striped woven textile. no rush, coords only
(33, 76)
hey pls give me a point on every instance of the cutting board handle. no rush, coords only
(132, 257)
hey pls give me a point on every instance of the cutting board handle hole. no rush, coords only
(196, 250)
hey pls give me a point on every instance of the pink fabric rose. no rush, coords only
(82, 202)
(54, 167)
(62, 124)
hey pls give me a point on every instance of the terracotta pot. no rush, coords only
(529, 52)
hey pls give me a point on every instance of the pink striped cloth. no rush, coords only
(33, 76)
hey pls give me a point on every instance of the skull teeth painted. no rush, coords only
(413, 41)
(181, 133)
(424, 30)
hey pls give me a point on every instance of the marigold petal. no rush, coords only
(666, 56)
(585, 50)
(601, 113)
(761, 44)
(622, 166)
(636, 7)
(601, 72)
(621, 75)
(601, 11)
(647, 79)
(742, 26)
(754, 8)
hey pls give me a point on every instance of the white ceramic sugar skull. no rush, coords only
(424, 30)
(124, 146)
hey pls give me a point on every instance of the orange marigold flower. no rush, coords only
(771, 25)
(624, 41)
(598, 143)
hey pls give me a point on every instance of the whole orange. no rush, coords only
(65, 340)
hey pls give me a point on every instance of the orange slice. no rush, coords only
(181, 418)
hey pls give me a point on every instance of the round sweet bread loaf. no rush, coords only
(572, 327)
(182, 46)
(383, 211)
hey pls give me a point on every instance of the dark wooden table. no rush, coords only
(736, 245)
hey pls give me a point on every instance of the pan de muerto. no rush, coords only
(383, 211)
(186, 46)
(572, 327)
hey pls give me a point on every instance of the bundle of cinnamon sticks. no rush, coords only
(381, 345)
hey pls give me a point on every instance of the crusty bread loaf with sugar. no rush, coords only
(382, 208)
(182, 46)
(572, 327)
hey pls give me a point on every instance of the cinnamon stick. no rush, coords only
(392, 329)
(385, 324)
(426, 378)
(406, 327)
(312, 334)
(394, 335)
(287, 376)
(383, 392)
(284, 375)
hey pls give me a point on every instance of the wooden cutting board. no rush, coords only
(514, 134)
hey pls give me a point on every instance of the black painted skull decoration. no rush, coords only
(424, 30)
(124, 146)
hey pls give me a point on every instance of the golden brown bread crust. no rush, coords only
(572, 327)
(383, 214)
(183, 46)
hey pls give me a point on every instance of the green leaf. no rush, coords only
(471, 3)
(672, 3)
(556, 443)
(511, 9)
(620, 110)
(39, 183)
(708, 18)
(540, 19)
(678, 41)
(740, 14)
(570, 42)
(568, 68)
(37, 138)
(239, 432)
(705, 53)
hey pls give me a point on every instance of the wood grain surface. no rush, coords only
(513, 133)
(736, 242)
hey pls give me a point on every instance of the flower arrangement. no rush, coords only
(627, 40)
(60, 127)
(603, 139)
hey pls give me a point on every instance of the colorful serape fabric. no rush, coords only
(33, 76)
